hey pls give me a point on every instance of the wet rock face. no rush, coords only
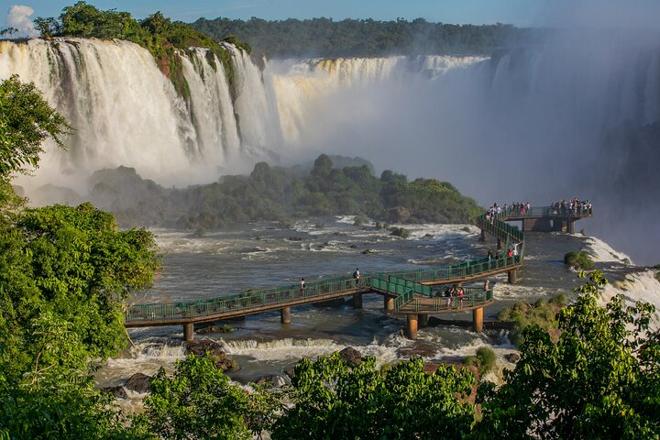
(274, 380)
(139, 382)
(351, 356)
(214, 350)
(118, 391)
(512, 357)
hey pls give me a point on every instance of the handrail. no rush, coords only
(409, 283)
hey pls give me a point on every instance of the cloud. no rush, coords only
(19, 18)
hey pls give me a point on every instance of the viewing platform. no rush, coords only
(547, 218)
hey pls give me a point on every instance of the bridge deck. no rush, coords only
(410, 290)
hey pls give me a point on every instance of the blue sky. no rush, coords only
(519, 12)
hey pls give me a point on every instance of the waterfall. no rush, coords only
(125, 111)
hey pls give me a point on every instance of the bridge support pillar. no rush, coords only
(189, 332)
(499, 244)
(357, 300)
(482, 237)
(570, 226)
(411, 329)
(478, 319)
(389, 304)
(512, 276)
(423, 320)
(285, 315)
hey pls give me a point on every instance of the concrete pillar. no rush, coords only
(478, 319)
(513, 276)
(411, 330)
(423, 320)
(499, 244)
(571, 227)
(189, 332)
(285, 315)
(389, 304)
(357, 300)
(482, 237)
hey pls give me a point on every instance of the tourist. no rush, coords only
(461, 294)
(486, 285)
(449, 294)
(302, 286)
(509, 253)
(356, 276)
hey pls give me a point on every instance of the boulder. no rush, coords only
(118, 391)
(351, 356)
(138, 382)
(214, 350)
(512, 357)
(290, 371)
(273, 380)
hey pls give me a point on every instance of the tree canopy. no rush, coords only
(324, 37)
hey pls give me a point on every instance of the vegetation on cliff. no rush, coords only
(164, 38)
(282, 194)
(323, 37)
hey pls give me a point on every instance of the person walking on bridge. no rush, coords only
(356, 277)
(302, 286)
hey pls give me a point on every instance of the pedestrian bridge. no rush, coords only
(409, 293)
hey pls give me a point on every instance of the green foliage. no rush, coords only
(599, 378)
(26, 121)
(335, 401)
(164, 38)
(579, 260)
(280, 194)
(400, 232)
(323, 37)
(64, 273)
(198, 401)
(543, 314)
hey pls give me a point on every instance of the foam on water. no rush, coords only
(639, 286)
(602, 252)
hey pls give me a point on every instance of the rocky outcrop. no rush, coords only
(512, 357)
(214, 350)
(351, 356)
(139, 382)
(118, 391)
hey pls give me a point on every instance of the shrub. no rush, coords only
(487, 359)
(579, 260)
(400, 232)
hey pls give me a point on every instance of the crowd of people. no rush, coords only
(573, 206)
(517, 208)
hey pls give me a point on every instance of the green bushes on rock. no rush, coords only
(578, 260)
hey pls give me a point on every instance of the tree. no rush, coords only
(26, 121)
(198, 401)
(599, 378)
(336, 401)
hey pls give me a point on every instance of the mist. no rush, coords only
(578, 115)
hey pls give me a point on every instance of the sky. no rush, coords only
(518, 12)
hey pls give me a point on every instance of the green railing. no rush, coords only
(545, 211)
(406, 286)
(474, 296)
